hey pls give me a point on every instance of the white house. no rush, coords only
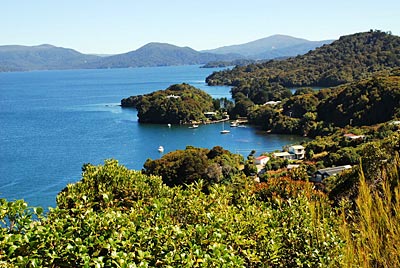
(351, 136)
(261, 160)
(284, 155)
(173, 96)
(298, 151)
(272, 102)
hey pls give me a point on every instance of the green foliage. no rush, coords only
(276, 163)
(191, 165)
(116, 217)
(176, 105)
(298, 105)
(110, 185)
(366, 102)
(260, 91)
(373, 233)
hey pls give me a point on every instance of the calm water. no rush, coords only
(52, 122)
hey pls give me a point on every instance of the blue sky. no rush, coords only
(117, 26)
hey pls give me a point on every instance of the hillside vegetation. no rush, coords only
(364, 103)
(348, 59)
(115, 217)
(178, 104)
(183, 167)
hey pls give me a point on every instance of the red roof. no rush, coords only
(261, 157)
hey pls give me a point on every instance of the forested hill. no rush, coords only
(42, 57)
(181, 103)
(158, 54)
(350, 58)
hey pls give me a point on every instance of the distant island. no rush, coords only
(49, 57)
(178, 104)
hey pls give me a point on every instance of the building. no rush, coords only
(261, 160)
(292, 166)
(210, 114)
(295, 152)
(324, 173)
(284, 155)
(272, 102)
(351, 136)
(298, 151)
(173, 96)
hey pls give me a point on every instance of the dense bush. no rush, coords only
(176, 105)
(116, 217)
(184, 167)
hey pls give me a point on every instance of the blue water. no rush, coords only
(52, 122)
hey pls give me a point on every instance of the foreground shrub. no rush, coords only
(115, 217)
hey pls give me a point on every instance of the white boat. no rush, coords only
(194, 126)
(224, 131)
(234, 124)
(160, 149)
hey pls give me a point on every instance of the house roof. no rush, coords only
(297, 147)
(332, 170)
(353, 136)
(291, 166)
(281, 154)
(272, 102)
(261, 157)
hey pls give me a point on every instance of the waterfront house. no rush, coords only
(283, 155)
(261, 160)
(298, 151)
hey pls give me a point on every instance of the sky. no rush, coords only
(118, 26)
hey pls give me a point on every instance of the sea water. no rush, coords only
(53, 122)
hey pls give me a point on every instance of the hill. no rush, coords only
(42, 57)
(158, 54)
(366, 102)
(48, 57)
(178, 104)
(350, 58)
(271, 47)
(362, 103)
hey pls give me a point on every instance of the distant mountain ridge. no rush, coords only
(49, 57)
(271, 47)
(42, 57)
(158, 54)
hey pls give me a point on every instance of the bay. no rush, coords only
(52, 122)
